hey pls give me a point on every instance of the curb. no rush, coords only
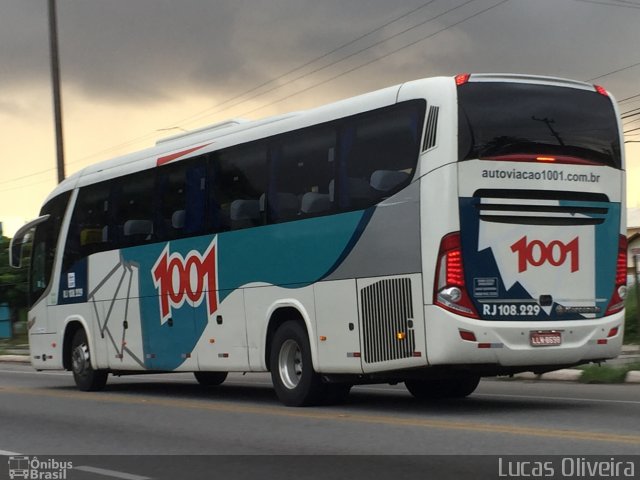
(571, 375)
(15, 358)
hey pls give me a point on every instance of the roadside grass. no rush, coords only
(606, 373)
(18, 340)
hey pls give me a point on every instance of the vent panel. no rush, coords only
(430, 135)
(387, 310)
(529, 207)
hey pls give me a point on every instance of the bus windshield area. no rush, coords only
(497, 119)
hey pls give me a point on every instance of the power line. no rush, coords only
(375, 59)
(306, 64)
(16, 179)
(614, 71)
(609, 4)
(318, 69)
(208, 111)
(629, 98)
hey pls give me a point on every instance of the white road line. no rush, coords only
(10, 454)
(568, 399)
(110, 473)
(27, 372)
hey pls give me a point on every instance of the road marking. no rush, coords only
(110, 473)
(9, 454)
(340, 416)
(568, 399)
(27, 372)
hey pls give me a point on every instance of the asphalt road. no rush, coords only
(43, 414)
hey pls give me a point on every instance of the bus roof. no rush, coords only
(235, 131)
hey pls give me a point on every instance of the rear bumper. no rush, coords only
(507, 343)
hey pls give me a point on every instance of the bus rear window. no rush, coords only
(498, 119)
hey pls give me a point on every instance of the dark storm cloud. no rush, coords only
(143, 50)
(148, 50)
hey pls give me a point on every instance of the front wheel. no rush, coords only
(458, 386)
(87, 379)
(294, 380)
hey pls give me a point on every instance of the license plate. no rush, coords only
(545, 339)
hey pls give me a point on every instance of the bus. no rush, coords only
(430, 233)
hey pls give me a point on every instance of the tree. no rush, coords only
(13, 282)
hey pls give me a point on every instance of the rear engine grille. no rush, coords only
(540, 207)
(387, 317)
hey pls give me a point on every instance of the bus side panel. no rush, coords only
(338, 327)
(116, 325)
(223, 344)
(261, 301)
(439, 209)
(387, 241)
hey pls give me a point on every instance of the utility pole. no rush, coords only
(637, 282)
(55, 77)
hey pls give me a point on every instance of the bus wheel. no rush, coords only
(87, 379)
(210, 379)
(294, 380)
(453, 387)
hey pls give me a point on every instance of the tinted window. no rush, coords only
(181, 198)
(133, 209)
(89, 228)
(302, 174)
(44, 247)
(497, 119)
(240, 176)
(378, 154)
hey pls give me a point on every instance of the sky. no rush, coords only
(134, 71)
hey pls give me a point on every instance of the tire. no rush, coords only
(87, 379)
(294, 380)
(210, 379)
(459, 386)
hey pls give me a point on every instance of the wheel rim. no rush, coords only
(80, 359)
(290, 364)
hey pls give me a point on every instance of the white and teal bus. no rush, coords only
(429, 233)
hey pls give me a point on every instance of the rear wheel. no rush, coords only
(294, 380)
(458, 386)
(210, 379)
(87, 379)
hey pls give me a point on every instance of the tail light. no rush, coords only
(462, 78)
(620, 289)
(601, 90)
(450, 289)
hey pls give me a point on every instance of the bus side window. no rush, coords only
(89, 227)
(240, 181)
(379, 154)
(44, 248)
(134, 211)
(302, 172)
(181, 198)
